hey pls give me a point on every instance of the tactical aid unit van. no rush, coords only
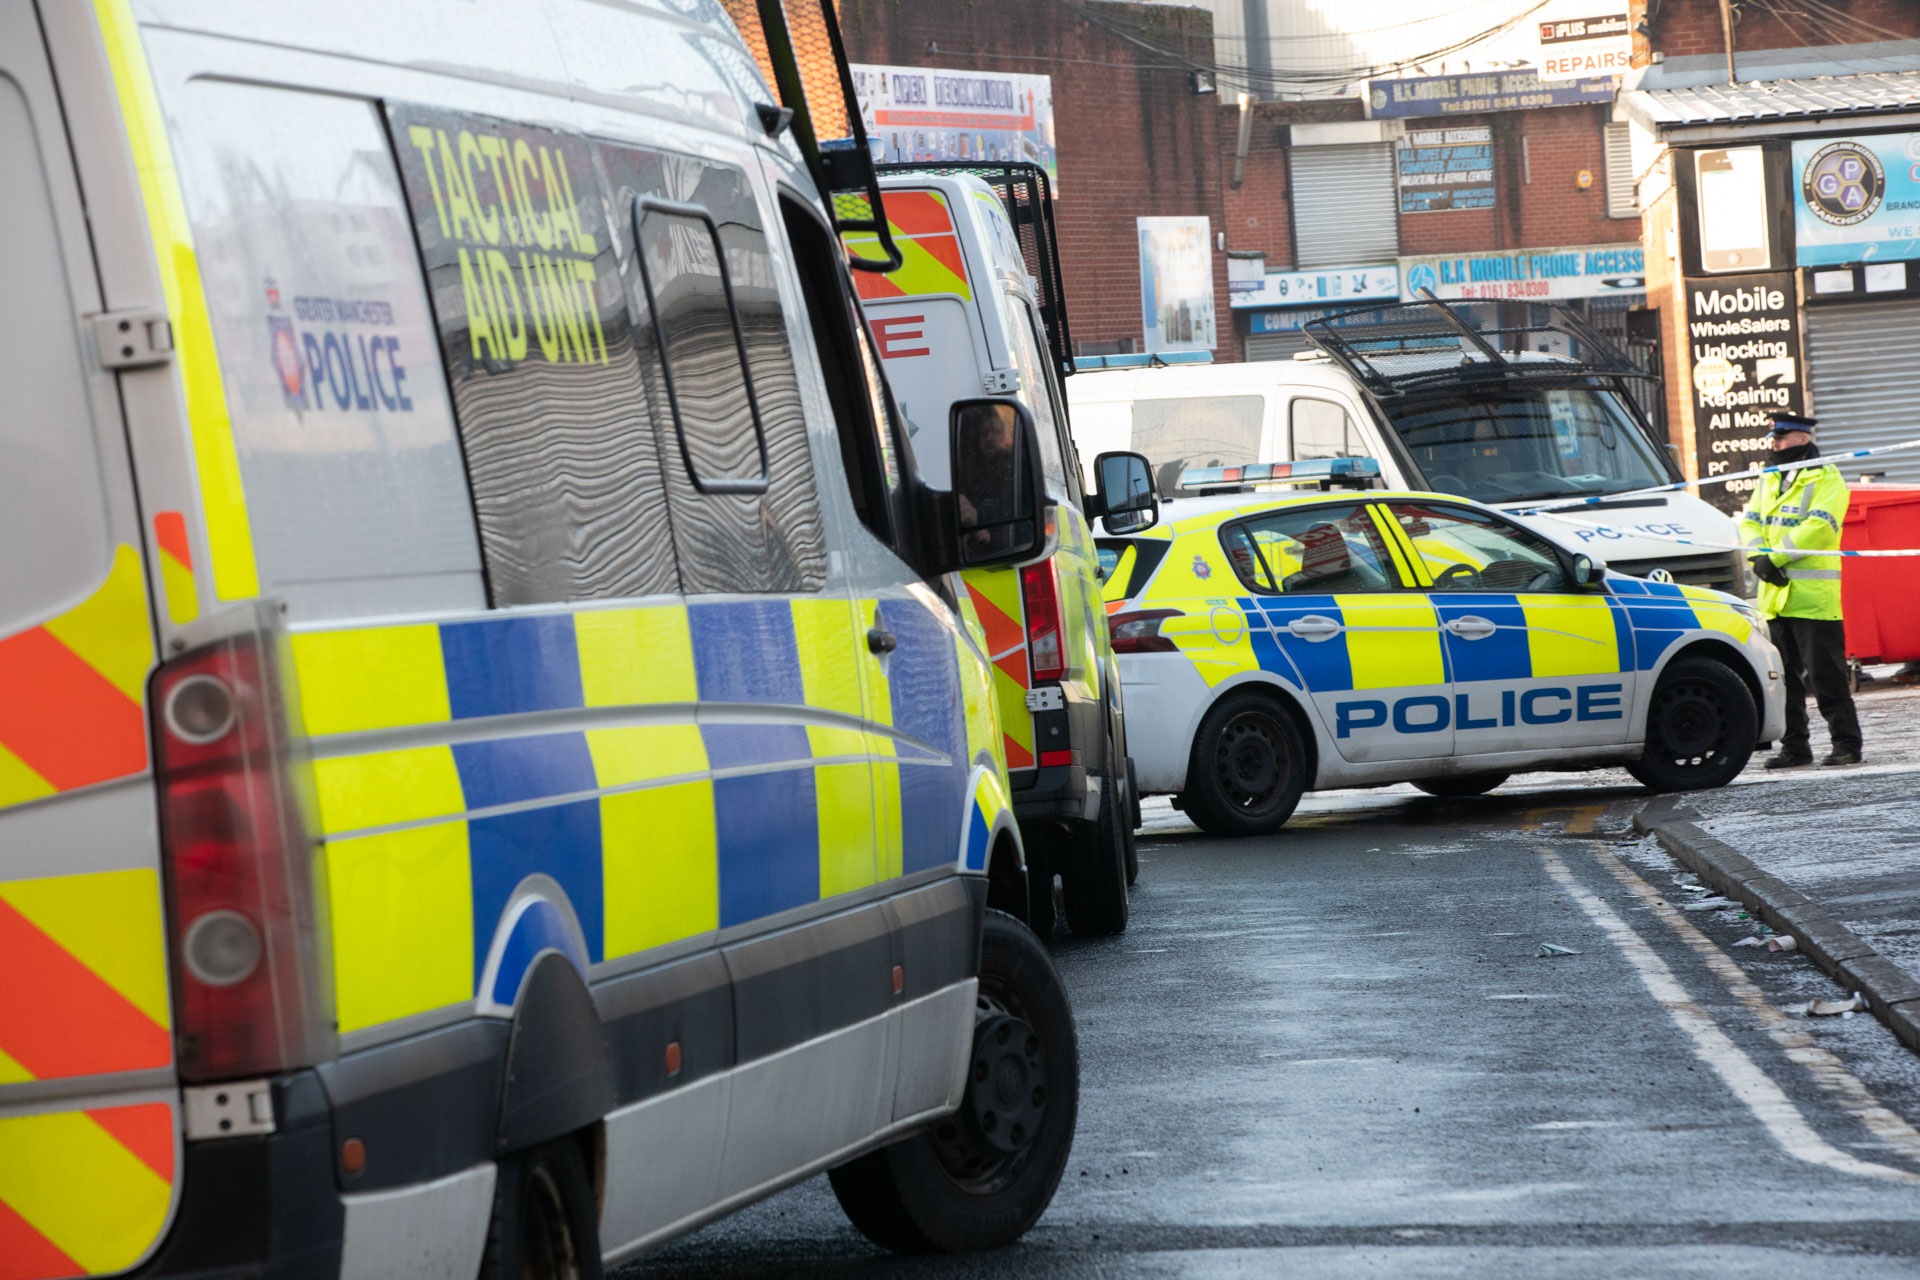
(976, 308)
(495, 768)
(1522, 418)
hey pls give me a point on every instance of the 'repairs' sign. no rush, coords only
(1445, 169)
(1743, 350)
(1473, 94)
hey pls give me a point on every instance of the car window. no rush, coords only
(1313, 550)
(1468, 550)
(1321, 429)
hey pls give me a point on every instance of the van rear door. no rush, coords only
(88, 1134)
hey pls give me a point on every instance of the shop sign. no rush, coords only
(1443, 169)
(929, 113)
(1472, 94)
(1582, 38)
(1743, 350)
(1534, 275)
(1857, 199)
(1176, 283)
(1307, 288)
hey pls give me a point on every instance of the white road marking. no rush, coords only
(1768, 1102)
(1800, 1046)
(1576, 1124)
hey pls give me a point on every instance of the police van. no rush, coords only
(1534, 418)
(1358, 636)
(496, 766)
(976, 307)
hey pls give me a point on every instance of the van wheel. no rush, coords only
(979, 1178)
(1248, 769)
(1463, 785)
(545, 1222)
(1093, 884)
(1701, 726)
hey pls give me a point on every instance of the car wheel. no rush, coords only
(1701, 726)
(1462, 785)
(979, 1178)
(545, 1221)
(1248, 768)
(1094, 885)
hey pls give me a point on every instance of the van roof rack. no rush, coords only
(1028, 196)
(1426, 344)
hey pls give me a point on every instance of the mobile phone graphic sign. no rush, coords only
(1731, 198)
(1857, 199)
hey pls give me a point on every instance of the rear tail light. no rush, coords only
(251, 989)
(1040, 593)
(1139, 631)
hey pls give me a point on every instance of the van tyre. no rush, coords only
(1093, 886)
(1248, 768)
(982, 1176)
(545, 1221)
(1701, 727)
(1133, 817)
(1461, 786)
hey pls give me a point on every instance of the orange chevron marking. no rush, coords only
(25, 1254)
(146, 1130)
(59, 1018)
(170, 531)
(1018, 757)
(62, 717)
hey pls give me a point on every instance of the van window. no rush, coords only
(1056, 401)
(1321, 429)
(534, 330)
(53, 518)
(719, 372)
(1197, 431)
(1038, 391)
(355, 492)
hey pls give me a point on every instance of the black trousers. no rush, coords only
(1814, 651)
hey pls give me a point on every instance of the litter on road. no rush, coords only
(1751, 941)
(1549, 949)
(1784, 942)
(1836, 1008)
(1708, 904)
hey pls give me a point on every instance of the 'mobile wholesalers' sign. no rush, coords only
(1743, 351)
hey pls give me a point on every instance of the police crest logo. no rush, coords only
(1201, 569)
(1843, 184)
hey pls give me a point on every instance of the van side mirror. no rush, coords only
(1587, 571)
(999, 488)
(1123, 493)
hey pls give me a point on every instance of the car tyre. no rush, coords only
(1248, 768)
(1461, 786)
(1094, 884)
(545, 1220)
(958, 1188)
(1701, 727)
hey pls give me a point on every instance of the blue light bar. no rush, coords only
(1142, 361)
(1313, 469)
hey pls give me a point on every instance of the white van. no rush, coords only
(1517, 419)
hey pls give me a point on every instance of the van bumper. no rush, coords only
(1070, 791)
(263, 1204)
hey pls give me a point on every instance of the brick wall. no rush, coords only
(1133, 139)
(1685, 27)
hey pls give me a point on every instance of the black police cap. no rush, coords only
(1784, 422)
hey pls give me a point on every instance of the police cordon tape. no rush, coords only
(1722, 546)
(1823, 460)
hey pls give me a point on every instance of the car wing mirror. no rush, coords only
(1124, 493)
(996, 512)
(1588, 572)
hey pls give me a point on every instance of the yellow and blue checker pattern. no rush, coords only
(673, 769)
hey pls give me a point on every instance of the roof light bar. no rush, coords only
(1357, 472)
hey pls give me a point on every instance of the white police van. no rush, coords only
(1358, 636)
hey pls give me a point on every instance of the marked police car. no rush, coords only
(1273, 644)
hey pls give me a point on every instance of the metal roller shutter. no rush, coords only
(1275, 346)
(1343, 205)
(1865, 384)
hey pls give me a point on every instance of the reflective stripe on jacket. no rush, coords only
(1798, 511)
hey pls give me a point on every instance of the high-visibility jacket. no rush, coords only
(1798, 511)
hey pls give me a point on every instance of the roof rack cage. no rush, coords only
(1425, 344)
(1028, 196)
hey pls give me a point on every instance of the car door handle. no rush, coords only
(1314, 627)
(1471, 628)
(881, 640)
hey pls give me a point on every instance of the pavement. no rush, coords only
(1337, 1052)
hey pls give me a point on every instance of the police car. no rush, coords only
(1353, 637)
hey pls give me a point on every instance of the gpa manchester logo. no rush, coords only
(1843, 184)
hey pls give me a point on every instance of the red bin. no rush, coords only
(1881, 597)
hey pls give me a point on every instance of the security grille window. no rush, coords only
(1203, 431)
(1315, 551)
(1321, 429)
(1344, 206)
(1622, 201)
(539, 350)
(720, 375)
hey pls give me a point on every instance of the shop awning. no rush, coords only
(1701, 113)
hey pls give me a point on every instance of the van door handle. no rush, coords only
(1471, 628)
(1314, 627)
(881, 640)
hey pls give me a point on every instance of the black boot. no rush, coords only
(1789, 760)
(1841, 755)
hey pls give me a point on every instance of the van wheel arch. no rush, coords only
(1007, 879)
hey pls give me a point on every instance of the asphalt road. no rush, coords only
(1337, 1053)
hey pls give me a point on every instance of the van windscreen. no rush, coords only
(1517, 443)
(1199, 431)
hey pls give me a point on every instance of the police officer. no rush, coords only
(1800, 594)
